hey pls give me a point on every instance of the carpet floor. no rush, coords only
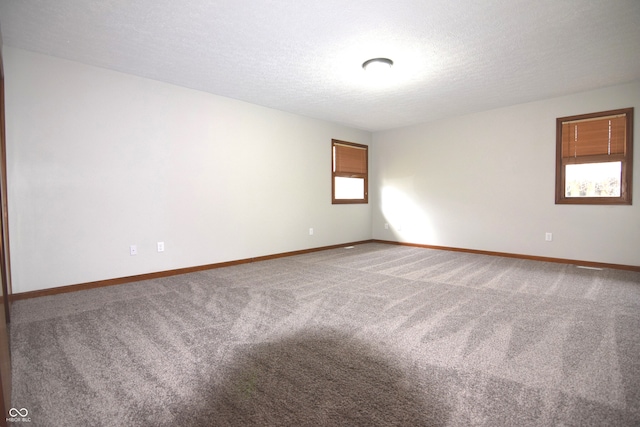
(376, 335)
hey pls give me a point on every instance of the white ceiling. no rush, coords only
(451, 57)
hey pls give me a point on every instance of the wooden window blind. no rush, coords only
(602, 136)
(350, 160)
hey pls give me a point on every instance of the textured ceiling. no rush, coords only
(451, 57)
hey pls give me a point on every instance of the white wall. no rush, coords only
(486, 181)
(99, 160)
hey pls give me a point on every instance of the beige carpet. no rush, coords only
(374, 335)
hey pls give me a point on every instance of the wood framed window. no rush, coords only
(349, 172)
(594, 158)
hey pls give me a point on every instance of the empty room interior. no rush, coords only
(365, 213)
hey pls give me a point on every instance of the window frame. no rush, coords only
(335, 174)
(626, 175)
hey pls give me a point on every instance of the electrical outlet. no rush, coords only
(548, 237)
(160, 246)
(386, 225)
(311, 232)
(133, 250)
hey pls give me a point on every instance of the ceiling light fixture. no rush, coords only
(378, 64)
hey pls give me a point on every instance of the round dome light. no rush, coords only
(377, 64)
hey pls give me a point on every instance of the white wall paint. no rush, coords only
(486, 181)
(99, 160)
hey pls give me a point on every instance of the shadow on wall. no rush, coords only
(314, 379)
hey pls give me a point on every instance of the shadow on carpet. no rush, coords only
(315, 379)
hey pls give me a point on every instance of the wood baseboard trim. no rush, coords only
(168, 273)
(520, 256)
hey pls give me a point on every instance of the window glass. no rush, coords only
(349, 188)
(593, 180)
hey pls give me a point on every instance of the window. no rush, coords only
(349, 172)
(594, 154)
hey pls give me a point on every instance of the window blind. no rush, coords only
(602, 136)
(350, 160)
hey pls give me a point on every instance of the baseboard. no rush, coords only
(167, 273)
(520, 256)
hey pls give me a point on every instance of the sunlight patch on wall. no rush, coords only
(406, 219)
